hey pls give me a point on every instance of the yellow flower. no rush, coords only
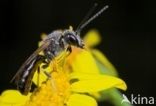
(12, 98)
(71, 83)
(92, 39)
(83, 64)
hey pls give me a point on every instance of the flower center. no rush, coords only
(54, 91)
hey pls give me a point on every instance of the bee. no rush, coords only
(52, 46)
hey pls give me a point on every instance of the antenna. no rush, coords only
(87, 16)
(78, 30)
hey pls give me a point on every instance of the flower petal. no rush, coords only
(92, 38)
(84, 63)
(81, 100)
(95, 82)
(101, 58)
(12, 98)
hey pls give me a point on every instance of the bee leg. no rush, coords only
(38, 76)
(49, 56)
(49, 77)
(41, 57)
(46, 61)
(69, 49)
(45, 65)
(47, 74)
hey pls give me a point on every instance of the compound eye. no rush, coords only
(72, 39)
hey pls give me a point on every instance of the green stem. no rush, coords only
(114, 97)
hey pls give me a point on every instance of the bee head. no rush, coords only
(71, 38)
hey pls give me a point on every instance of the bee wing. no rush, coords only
(32, 57)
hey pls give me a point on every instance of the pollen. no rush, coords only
(54, 91)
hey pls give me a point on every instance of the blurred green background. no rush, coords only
(128, 30)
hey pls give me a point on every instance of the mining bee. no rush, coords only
(52, 46)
